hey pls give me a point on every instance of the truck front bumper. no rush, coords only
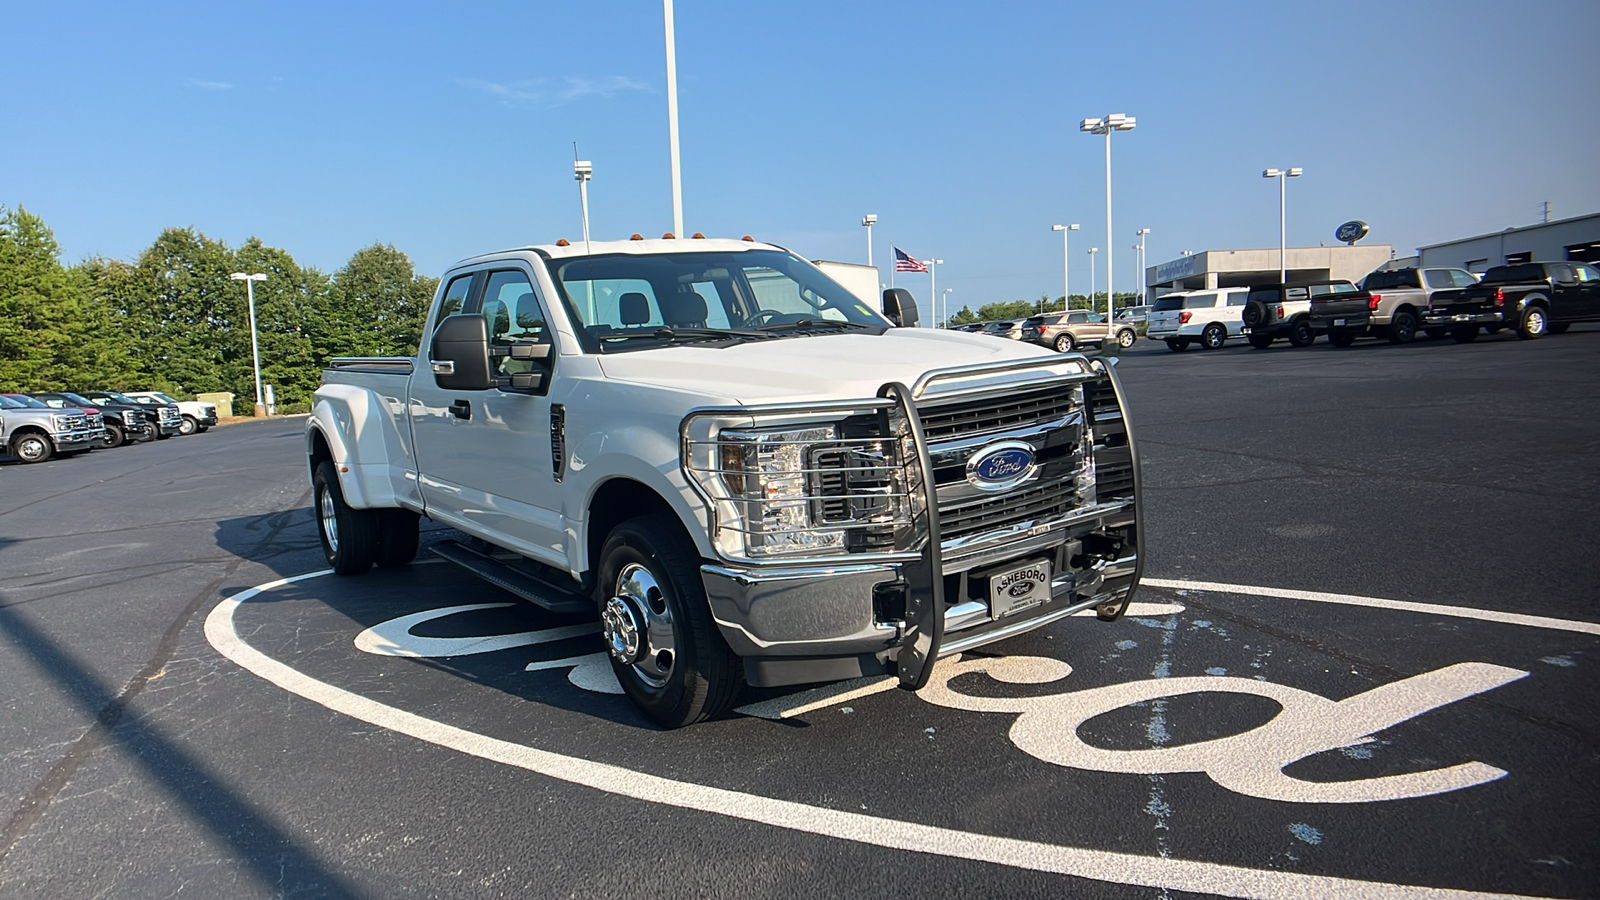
(73, 441)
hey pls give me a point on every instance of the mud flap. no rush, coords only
(924, 615)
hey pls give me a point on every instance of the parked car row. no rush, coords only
(1064, 331)
(36, 427)
(1392, 305)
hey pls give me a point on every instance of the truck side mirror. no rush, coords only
(900, 307)
(459, 355)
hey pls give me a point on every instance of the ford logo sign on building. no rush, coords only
(1351, 231)
(998, 467)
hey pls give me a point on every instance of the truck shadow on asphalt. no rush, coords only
(267, 851)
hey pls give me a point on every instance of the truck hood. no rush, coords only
(819, 367)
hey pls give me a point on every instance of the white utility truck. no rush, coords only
(745, 472)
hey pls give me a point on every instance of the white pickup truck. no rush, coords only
(743, 470)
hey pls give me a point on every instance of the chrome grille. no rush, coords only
(974, 522)
(991, 414)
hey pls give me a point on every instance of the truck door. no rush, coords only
(484, 457)
(1589, 282)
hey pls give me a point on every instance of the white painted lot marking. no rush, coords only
(1435, 609)
(1097, 865)
(1250, 762)
(394, 637)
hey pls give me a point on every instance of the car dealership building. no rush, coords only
(1241, 268)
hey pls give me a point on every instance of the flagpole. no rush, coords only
(894, 262)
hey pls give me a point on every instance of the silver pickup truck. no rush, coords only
(746, 473)
(34, 433)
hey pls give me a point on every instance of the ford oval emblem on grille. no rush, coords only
(998, 467)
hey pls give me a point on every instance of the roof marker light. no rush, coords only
(748, 238)
(697, 236)
(636, 237)
(563, 242)
(668, 236)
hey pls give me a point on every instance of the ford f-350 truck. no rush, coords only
(745, 472)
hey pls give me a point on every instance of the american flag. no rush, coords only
(905, 262)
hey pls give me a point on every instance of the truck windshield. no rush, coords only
(1511, 274)
(626, 302)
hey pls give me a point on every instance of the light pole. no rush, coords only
(1066, 268)
(869, 220)
(1283, 249)
(944, 321)
(583, 170)
(1142, 282)
(933, 284)
(255, 347)
(1092, 252)
(1112, 122)
(672, 119)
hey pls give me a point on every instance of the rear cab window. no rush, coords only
(1167, 304)
(1200, 301)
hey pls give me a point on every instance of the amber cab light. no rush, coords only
(563, 242)
(636, 236)
(1184, 317)
(668, 236)
(697, 236)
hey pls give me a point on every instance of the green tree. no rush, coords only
(376, 306)
(43, 322)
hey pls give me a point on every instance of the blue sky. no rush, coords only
(447, 129)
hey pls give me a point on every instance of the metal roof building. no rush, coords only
(1577, 238)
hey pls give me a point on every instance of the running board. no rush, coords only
(509, 579)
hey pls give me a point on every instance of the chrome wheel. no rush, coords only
(1125, 338)
(638, 627)
(32, 448)
(329, 519)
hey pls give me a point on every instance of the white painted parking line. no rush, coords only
(1436, 609)
(1098, 865)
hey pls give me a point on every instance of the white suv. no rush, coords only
(197, 416)
(1207, 317)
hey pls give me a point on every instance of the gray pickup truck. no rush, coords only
(1396, 304)
(36, 433)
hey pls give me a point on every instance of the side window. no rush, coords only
(455, 297)
(1463, 279)
(1200, 301)
(512, 311)
(1238, 298)
(1077, 318)
(1440, 278)
(1587, 274)
(1561, 274)
(1296, 293)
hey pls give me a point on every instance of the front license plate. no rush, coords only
(1017, 589)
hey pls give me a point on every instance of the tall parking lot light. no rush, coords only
(255, 347)
(1092, 252)
(583, 170)
(1066, 266)
(1112, 122)
(1141, 283)
(1283, 249)
(867, 221)
(945, 299)
(933, 286)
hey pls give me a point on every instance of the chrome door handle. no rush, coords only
(445, 367)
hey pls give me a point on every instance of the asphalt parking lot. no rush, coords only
(1364, 662)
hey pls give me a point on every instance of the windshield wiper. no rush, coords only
(673, 334)
(814, 323)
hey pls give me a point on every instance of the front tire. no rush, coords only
(1535, 322)
(1213, 337)
(32, 448)
(663, 646)
(349, 537)
(1301, 335)
(115, 437)
(1126, 337)
(1064, 343)
(188, 426)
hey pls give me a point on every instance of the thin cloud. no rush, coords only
(555, 91)
(211, 85)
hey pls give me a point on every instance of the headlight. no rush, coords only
(63, 423)
(816, 490)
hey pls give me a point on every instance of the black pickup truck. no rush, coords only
(123, 422)
(1535, 298)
